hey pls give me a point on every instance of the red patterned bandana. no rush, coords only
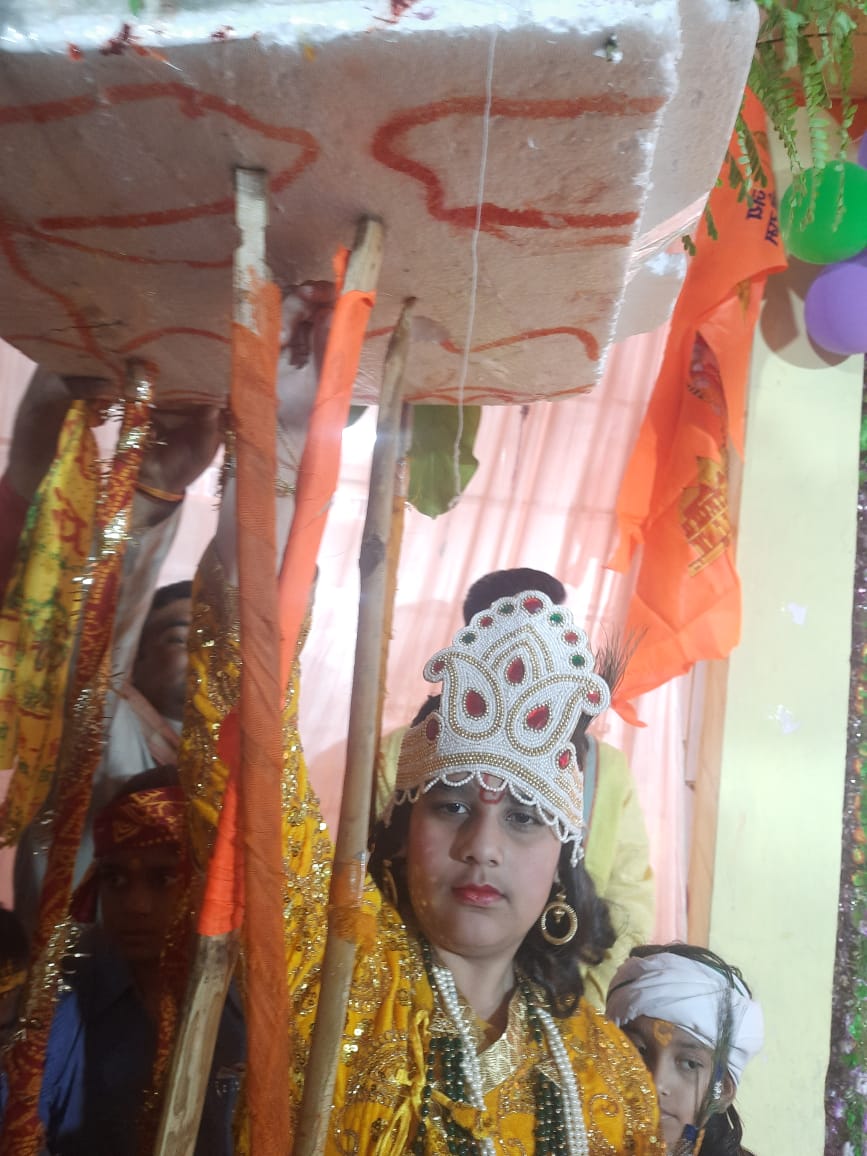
(142, 819)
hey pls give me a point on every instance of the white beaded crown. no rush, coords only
(516, 682)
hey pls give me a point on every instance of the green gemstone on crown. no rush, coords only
(467, 637)
(578, 659)
(556, 617)
(507, 608)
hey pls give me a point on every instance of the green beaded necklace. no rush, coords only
(445, 1066)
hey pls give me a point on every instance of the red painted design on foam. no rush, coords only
(386, 148)
(191, 103)
(170, 331)
(69, 307)
(591, 345)
(112, 255)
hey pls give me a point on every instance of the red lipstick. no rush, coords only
(477, 895)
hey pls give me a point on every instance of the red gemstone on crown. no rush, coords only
(564, 759)
(432, 728)
(515, 671)
(538, 717)
(595, 697)
(486, 621)
(532, 605)
(439, 666)
(474, 704)
(570, 636)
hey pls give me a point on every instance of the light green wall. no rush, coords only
(776, 876)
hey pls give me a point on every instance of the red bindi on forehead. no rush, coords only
(492, 789)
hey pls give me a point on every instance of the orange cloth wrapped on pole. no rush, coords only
(674, 495)
(318, 472)
(320, 462)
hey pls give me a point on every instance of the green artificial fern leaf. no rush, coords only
(805, 54)
(431, 456)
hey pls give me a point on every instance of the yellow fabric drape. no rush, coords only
(390, 1017)
(39, 622)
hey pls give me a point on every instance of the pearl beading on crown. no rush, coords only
(516, 682)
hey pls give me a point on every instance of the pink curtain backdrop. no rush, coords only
(543, 496)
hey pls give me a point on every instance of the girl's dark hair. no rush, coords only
(724, 1131)
(554, 969)
(723, 1135)
(485, 591)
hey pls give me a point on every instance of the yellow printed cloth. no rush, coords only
(391, 1012)
(39, 622)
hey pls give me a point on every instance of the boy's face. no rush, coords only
(681, 1068)
(160, 670)
(139, 893)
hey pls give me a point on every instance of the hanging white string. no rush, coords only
(474, 250)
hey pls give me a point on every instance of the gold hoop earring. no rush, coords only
(389, 887)
(559, 909)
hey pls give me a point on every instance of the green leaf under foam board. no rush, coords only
(431, 456)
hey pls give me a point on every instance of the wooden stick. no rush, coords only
(211, 974)
(392, 559)
(350, 856)
(254, 412)
(261, 744)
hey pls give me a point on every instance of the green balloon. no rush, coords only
(825, 239)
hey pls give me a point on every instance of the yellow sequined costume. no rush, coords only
(392, 1013)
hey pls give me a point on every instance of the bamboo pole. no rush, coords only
(350, 856)
(392, 559)
(254, 412)
(211, 974)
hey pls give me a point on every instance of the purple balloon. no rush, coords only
(835, 308)
(862, 152)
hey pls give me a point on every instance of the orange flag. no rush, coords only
(674, 495)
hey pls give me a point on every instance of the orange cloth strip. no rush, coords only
(255, 353)
(320, 462)
(225, 896)
(223, 902)
(674, 495)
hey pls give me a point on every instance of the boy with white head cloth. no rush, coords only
(696, 1025)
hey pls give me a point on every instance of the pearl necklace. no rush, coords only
(576, 1132)
(448, 992)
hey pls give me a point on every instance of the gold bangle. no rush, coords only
(160, 495)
